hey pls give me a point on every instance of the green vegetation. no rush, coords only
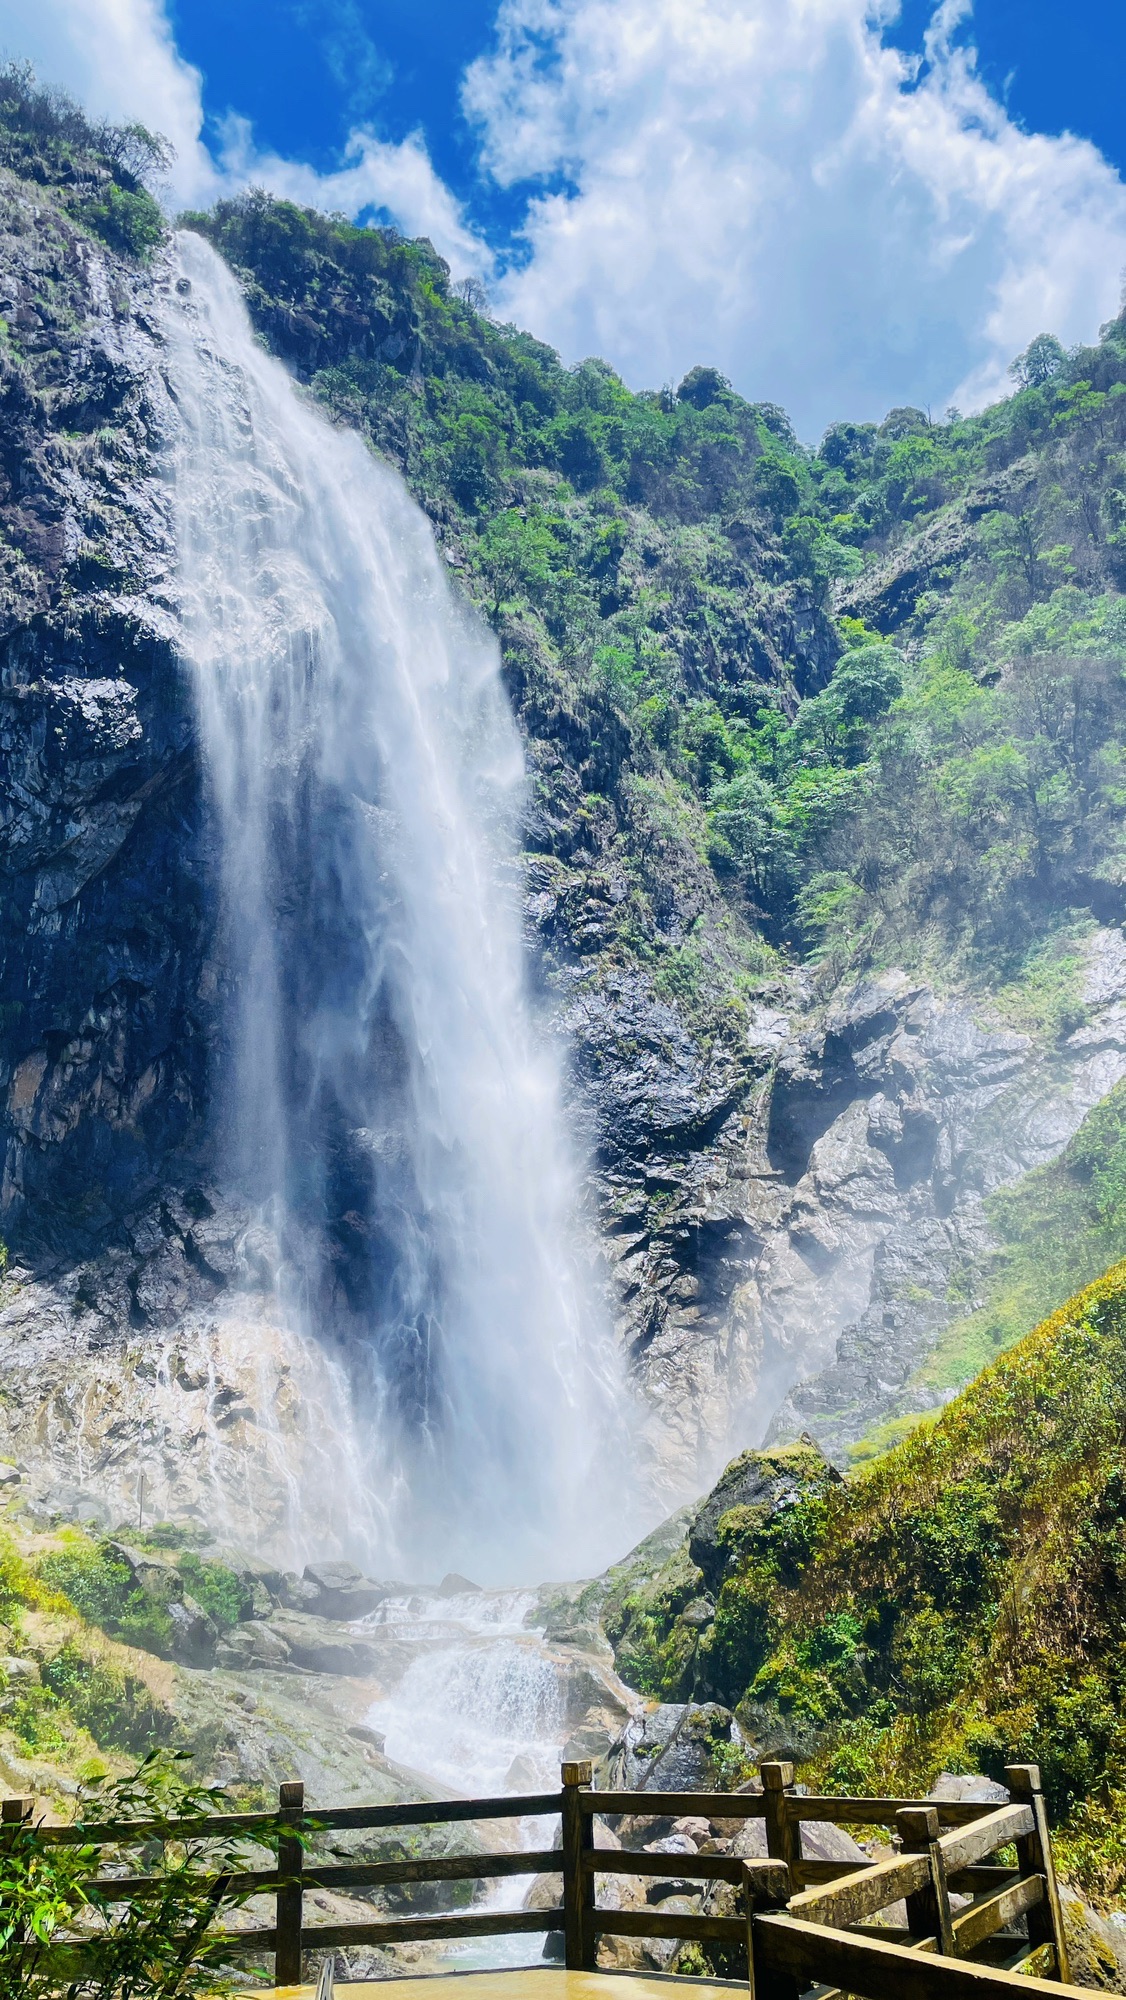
(100, 1583)
(153, 1946)
(955, 1604)
(101, 1586)
(101, 171)
(884, 678)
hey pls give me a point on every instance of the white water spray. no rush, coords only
(390, 1106)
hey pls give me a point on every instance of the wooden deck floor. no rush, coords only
(522, 1983)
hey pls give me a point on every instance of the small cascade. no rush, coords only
(482, 1710)
(391, 1107)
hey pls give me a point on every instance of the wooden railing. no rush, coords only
(803, 1922)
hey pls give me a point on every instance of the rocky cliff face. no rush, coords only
(101, 1055)
(769, 1180)
(784, 1235)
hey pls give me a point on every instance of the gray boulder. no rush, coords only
(252, 1646)
(25, 1672)
(762, 1482)
(340, 1590)
(194, 1634)
(318, 1645)
(671, 1747)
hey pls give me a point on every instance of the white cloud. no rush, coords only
(766, 186)
(119, 59)
(759, 184)
(377, 174)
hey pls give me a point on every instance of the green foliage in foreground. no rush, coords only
(958, 1604)
(102, 170)
(57, 1937)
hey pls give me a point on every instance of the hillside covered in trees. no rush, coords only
(874, 686)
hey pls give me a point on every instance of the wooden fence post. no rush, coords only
(579, 1941)
(766, 1886)
(783, 1830)
(287, 1950)
(928, 1909)
(1034, 1857)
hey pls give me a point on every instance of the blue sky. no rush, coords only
(306, 71)
(842, 205)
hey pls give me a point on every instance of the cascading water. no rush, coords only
(391, 1108)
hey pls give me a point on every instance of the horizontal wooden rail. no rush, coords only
(813, 1954)
(965, 1881)
(863, 1893)
(675, 1805)
(399, 1930)
(983, 1875)
(892, 1934)
(997, 1829)
(334, 1819)
(988, 1914)
(878, 1812)
(678, 1924)
(346, 1875)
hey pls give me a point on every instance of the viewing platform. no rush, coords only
(514, 1983)
(964, 1905)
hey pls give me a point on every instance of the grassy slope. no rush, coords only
(956, 1604)
(92, 1705)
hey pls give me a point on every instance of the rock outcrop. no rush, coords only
(103, 1057)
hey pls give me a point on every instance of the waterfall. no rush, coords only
(390, 1107)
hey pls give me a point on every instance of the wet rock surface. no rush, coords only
(671, 1747)
(102, 1058)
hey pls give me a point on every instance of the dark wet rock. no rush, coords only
(295, 1594)
(758, 1483)
(374, 1738)
(340, 1590)
(594, 1737)
(105, 926)
(194, 1633)
(671, 1747)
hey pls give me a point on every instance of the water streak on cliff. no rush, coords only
(389, 1103)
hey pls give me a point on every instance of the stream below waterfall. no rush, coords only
(484, 1707)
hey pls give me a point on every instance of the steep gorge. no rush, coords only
(786, 1151)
